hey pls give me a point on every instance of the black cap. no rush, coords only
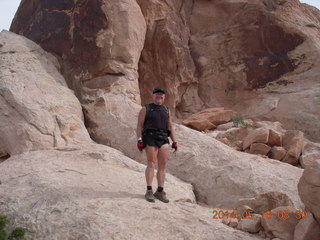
(158, 90)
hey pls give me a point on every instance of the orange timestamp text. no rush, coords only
(249, 214)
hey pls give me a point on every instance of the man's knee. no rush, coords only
(152, 163)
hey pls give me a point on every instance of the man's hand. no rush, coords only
(140, 145)
(174, 146)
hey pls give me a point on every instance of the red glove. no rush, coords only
(140, 145)
(174, 146)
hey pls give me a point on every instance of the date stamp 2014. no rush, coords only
(249, 214)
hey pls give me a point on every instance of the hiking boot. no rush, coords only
(149, 196)
(161, 196)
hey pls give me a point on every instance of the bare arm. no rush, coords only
(171, 128)
(141, 117)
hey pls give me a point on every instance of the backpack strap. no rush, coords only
(148, 108)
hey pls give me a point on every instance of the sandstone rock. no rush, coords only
(166, 57)
(275, 138)
(275, 126)
(307, 229)
(266, 202)
(293, 143)
(225, 126)
(281, 223)
(259, 135)
(277, 153)
(259, 148)
(98, 193)
(229, 65)
(252, 225)
(201, 65)
(3, 151)
(226, 220)
(215, 116)
(242, 210)
(215, 168)
(309, 189)
(38, 111)
(233, 222)
(99, 45)
(308, 159)
(311, 152)
(199, 124)
(234, 137)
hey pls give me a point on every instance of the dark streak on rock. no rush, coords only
(269, 54)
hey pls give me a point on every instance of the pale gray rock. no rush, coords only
(252, 225)
(98, 193)
(281, 223)
(309, 190)
(38, 110)
(307, 229)
(265, 202)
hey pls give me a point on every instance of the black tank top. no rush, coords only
(156, 117)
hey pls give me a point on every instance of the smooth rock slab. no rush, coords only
(98, 193)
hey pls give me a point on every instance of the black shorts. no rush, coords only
(150, 140)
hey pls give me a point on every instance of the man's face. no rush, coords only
(158, 98)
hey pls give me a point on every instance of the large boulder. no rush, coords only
(307, 229)
(293, 142)
(98, 193)
(311, 152)
(309, 190)
(38, 110)
(221, 175)
(98, 44)
(281, 222)
(265, 202)
(207, 119)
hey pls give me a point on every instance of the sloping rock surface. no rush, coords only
(38, 110)
(98, 193)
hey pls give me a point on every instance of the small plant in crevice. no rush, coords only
(16, 234)
(238, 121)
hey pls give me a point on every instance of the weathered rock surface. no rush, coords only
(233, 137)
(38, 110)
(108, 91)
(277, 153)
(258, 135)
(207, 119)
(311, 152)
(201, 64)
(213, 167)
(275, 138)
(166, 57)
(293, 142)
(98, 193)
(252, 225)
(281, 223)
(98, 44)
(259, 148)
(309, 189)
(209, 165)
(265, 202)
(307, 229)
(238, 54)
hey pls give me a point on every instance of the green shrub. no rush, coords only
(16, 234)
(238, 121)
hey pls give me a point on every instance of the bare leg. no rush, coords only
(152, 160)
(163, 154)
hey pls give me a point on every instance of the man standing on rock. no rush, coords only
(153, 129)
